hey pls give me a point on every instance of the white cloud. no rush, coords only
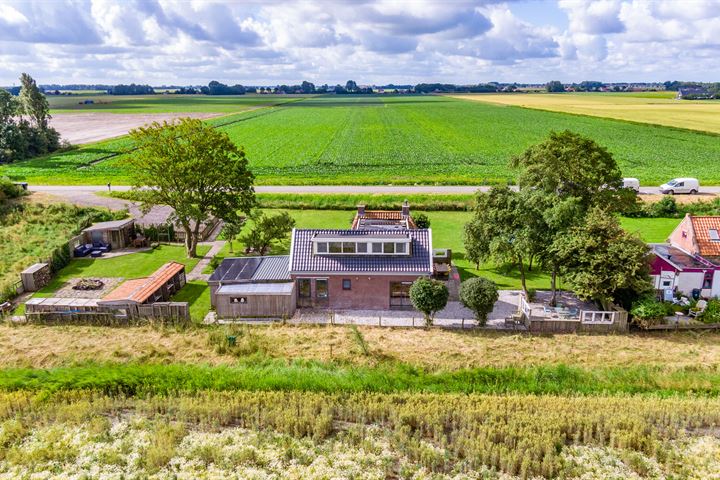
(192, 42)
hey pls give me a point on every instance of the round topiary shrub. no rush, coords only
(479, 295)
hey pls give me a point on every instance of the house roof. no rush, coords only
(252, 269)
(140, 289)
(285, 288)
(382, 219)
(701, 226)
(113, 225)
(303, 260)
(678, 257)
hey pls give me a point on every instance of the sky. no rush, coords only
(268, 42)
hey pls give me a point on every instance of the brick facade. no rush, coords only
(367, 292)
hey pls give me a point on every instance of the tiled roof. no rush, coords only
(384, 216)
(252, 269)
(302, 259)
(140, 289)
(701, 227)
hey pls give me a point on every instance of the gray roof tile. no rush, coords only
(418, 262)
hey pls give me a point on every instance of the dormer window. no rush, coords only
(361, 245)
(714, 237)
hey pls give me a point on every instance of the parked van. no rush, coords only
(633, 183)
(681, 185)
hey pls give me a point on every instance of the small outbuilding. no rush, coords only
(256, 300)
(116, 234)
(158, 287)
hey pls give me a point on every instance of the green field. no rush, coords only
(402, 140)
(163, 103)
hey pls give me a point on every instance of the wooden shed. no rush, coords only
(117, 233)
(158, 287)
(35, 277)
(256, 300)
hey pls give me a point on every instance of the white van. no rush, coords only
(681, 185)
(633, 183)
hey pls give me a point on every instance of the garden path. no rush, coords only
(197, 272)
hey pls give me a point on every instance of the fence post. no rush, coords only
(462, 324)
(413, 320)
(379, 320)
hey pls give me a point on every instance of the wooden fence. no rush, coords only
(166, 313)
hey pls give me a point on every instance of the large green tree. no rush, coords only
(268, 231)
(33, 102)
(601, 261)
(195, 169)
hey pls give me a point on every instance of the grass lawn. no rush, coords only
(651, 230)
(134, 265)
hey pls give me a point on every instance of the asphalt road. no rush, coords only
(81, 190)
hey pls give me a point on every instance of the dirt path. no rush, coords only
(197, 272)
(79, 128)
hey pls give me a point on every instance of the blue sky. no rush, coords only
(370, 41)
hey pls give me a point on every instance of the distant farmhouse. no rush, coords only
(694, 93)
(369, 266)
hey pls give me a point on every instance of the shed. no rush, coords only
(116, 233)
(255, 300)
(35, 277)
(158, 287)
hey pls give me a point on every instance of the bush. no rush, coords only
(649, 311)
(421, 220)
(666, 207)
(712, 312)
(429, 297)
(479, 295)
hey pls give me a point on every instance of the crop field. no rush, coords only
(402, 140)
(162, 103)
(659, 108)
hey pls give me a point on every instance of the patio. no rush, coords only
(568, 306)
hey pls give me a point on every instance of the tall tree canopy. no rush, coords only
(193, 168)
(601, 261)
(33, 103)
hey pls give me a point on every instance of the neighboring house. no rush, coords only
(370, 266)
(694, 93)
(690, 261)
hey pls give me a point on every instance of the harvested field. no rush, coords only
(79, 128)
(701, 115)
(49, 346)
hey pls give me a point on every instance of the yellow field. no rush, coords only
(703, 115)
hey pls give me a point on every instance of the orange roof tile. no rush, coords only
(702, 226)
(140, 289)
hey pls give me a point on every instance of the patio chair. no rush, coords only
(698, 309)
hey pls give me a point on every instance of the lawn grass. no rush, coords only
(134, 265)
(406, 140)
(659, 108)
(651, 230)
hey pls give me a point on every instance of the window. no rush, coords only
(321, 288)
(321, 247)
(304, 287)
(347, 284)
(388, 247)
(667, 283)
(238, 300)
(362, 247)
(335, 247)
(348, 247)
(400, 248)
(680, 184)
(714, 235)
(708, 280)
(377, 248)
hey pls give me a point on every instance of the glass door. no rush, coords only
(322, 294)
(304, 294)
(400, 295)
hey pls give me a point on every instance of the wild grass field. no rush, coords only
(403, 140)
(659, 108)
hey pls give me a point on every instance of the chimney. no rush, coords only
(405, 209)
(361, 210)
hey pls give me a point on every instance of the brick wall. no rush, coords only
(367, 292)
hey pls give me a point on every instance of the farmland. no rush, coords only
(659, 108)
(402, 140)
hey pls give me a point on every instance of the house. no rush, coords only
(690, 261)
(369, 266)
(694, 93)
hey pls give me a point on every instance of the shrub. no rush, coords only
(712, 312)
(649, 311)
(479, 295)
(666, 207)
(429, 297)
(421, 220)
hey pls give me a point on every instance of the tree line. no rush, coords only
(24, 123)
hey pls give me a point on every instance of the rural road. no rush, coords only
(71, 191)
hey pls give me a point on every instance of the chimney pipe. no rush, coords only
(406, 209)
